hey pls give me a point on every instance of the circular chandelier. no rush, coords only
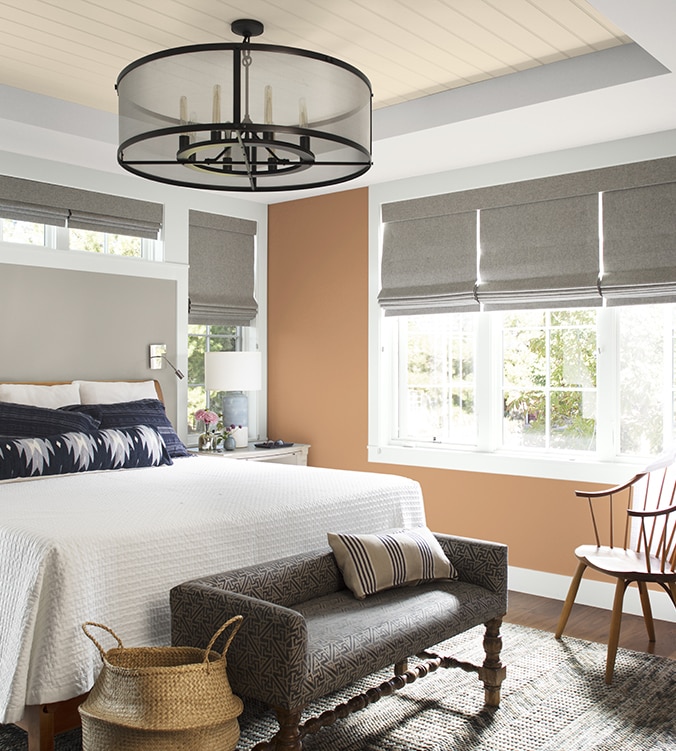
(244, 117)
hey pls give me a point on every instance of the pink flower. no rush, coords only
(206, 416)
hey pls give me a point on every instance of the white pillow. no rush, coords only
(113, 392)
(373, 562)
(52, 397)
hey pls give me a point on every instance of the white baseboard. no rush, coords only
(595, 593)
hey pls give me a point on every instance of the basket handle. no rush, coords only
(105, 628)
(237, 619)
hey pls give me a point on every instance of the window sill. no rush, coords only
(578, 469)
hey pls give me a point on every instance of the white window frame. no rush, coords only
(603, 467)
(58, 238)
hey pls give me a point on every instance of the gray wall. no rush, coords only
(59, 325)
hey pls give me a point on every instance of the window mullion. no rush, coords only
(667, 377)
(488, 381)
(607, 396)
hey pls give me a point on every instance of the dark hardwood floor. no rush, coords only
(591, 624)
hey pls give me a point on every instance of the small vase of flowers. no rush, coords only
(228, 437)
(209, 439)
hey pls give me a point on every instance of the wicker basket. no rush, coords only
(161, 698)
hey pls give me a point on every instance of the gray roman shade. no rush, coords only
(33, 201)
(540, 244)
(429, 263)
(221, 277)
(639, 245)
(542, 254)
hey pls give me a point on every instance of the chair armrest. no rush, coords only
(654, 512)
(477, 561)
(266, 659)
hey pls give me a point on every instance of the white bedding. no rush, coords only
(108, 547)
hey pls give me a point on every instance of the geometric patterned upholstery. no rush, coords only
(304, 634)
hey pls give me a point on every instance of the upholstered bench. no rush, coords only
(305, 634)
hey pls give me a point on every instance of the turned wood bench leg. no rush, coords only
(289, 736)
(492, 672)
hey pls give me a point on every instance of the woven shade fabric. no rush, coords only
(540, 243)
(540, 255)
(429, 265)
(58, 205)
(639, 245)
(221, 276)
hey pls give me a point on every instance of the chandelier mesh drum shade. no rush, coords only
(244, 117)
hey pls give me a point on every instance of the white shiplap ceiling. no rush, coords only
(457, 83)
(74, 49)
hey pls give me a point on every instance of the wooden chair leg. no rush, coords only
(615, 624)
(647, 611)
(570, 599)
(672, 590)
(492, 672)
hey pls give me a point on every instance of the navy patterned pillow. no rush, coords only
(141, 412)
(26, 421)
(113, 448)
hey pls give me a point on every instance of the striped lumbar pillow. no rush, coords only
(373, 562)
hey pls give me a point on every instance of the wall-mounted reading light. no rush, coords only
(158, 356)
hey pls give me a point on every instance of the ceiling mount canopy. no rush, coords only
(244, 117)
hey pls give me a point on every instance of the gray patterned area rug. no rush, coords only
(554, 699)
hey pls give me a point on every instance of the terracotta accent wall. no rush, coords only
(318, 337)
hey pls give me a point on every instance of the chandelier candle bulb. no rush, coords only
(302, 112)
(216, 108)
(268, 105)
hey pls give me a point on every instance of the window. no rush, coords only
(61, 238)
(102, 242)
(201, 339)
(436, 379)
(15, 231)
(544, 329)
(549, 380)
(592, 383)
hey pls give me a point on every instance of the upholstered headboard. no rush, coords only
(156, 383)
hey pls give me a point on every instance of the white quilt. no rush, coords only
(108, 546)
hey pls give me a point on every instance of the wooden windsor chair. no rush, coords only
(635, 531)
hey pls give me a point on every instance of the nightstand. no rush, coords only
(296, 454)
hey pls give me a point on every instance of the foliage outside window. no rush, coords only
(32, 233)
(102, 242)
(29, 233)
(560, 382)
(549, 380)
(203, 339)
(438, 382)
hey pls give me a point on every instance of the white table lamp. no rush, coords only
(234, 373)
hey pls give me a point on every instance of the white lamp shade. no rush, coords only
(232, 371)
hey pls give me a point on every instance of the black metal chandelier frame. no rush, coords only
(243, 149)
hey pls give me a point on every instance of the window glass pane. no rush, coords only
(549, 380)
(644, 331)
(525, 419)
(573, 425)
(438, 378)
(124, 245)
(203, 339)
(195, 402)
(31, 233)
(83, 239)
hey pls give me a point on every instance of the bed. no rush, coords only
(107, 545)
